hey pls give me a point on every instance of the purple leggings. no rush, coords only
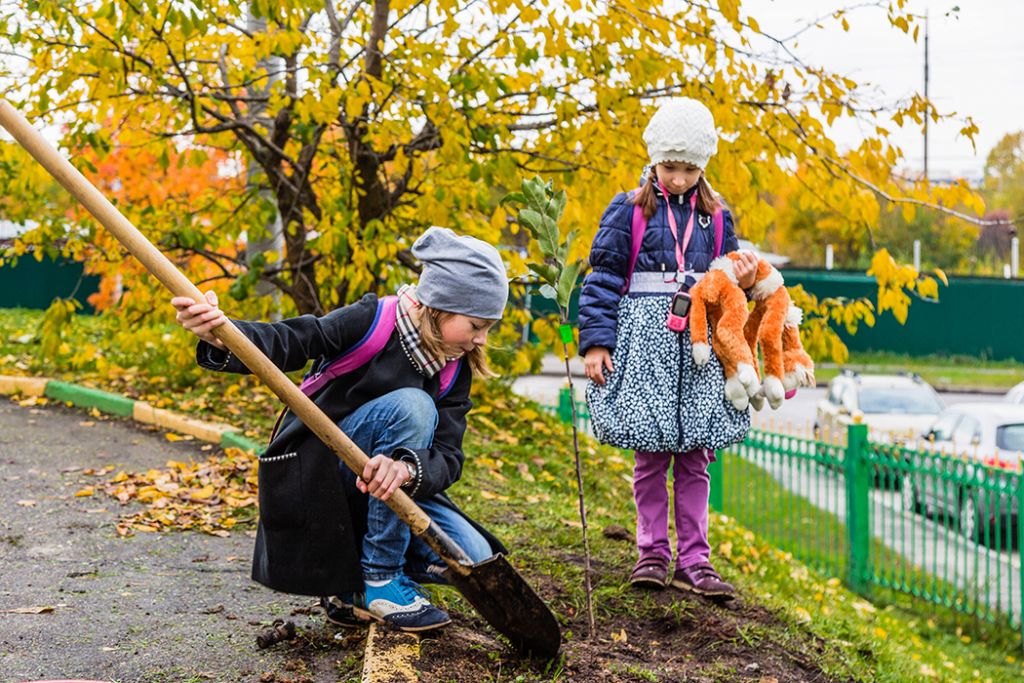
(691, 485)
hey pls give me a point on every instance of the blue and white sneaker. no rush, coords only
(401, 604)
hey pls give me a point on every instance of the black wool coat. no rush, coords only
(311, 526)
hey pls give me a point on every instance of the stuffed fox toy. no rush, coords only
(718, 298)
(798, 368)
(772, 324)
(764, 327)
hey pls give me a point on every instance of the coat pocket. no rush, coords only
(280, 491)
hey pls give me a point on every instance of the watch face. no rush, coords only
(680, 306)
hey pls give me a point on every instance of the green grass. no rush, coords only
(894, 639)
(942, 372)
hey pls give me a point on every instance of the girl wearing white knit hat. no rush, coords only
(645, 392)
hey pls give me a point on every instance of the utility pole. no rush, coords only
(927, 112)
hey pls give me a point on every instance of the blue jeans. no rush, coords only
(404, 417)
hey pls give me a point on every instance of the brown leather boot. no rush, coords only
(704, 580)
(650, 572)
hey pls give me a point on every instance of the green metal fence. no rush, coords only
(941, 528)
(973, 302)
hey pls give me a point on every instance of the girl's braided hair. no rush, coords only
(707, 200)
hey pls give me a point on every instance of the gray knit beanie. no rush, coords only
(683, 130)
(461, 274)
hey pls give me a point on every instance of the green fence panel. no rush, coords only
(716, 496)
(857, 521)
(970, 303)
(789, 490)
(35, 284)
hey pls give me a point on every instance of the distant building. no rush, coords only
(10, 229)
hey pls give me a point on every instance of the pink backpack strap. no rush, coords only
(639, 227)
(449, 373)
(372, 343)
(718, 218)
(637, 230)
(375, 339)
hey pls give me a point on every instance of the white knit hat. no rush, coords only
(683, 130)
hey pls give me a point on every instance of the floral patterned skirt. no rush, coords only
(657, 399)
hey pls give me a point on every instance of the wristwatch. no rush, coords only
(411, 468)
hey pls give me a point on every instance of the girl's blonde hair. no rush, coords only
(430, 336)
(647, 199)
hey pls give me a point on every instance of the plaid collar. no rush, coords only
(409, 334)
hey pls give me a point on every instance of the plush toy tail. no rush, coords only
(699, 322)
(798, 365)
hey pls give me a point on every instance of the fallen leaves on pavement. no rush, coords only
(212, 496)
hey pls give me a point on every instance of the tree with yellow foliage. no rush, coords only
(365, 122)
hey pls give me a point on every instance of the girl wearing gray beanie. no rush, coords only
(645, 392)
(395, 373)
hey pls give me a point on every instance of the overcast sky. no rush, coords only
(976, 68)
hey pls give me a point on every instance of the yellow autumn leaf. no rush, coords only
(171, 436)
(202, 493)
(487, 421)
(928, 288)
(87, 491)
(524, 472)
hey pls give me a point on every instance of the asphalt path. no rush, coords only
(78, 601)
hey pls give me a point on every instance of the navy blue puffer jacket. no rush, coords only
(609, 259)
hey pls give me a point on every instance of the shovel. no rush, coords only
(493, 587)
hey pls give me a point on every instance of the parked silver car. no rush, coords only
(896, 408)
(966, 467)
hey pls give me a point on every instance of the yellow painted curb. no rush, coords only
(29, 386)
(206, 431)
(390, 656)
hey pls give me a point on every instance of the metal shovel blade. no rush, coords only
(507, 603)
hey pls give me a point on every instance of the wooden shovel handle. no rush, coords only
(240, 345)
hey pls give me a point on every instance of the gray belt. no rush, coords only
(654, 283)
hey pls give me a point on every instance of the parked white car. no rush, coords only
(963, 457)
(896, 408)
(1016, 394)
